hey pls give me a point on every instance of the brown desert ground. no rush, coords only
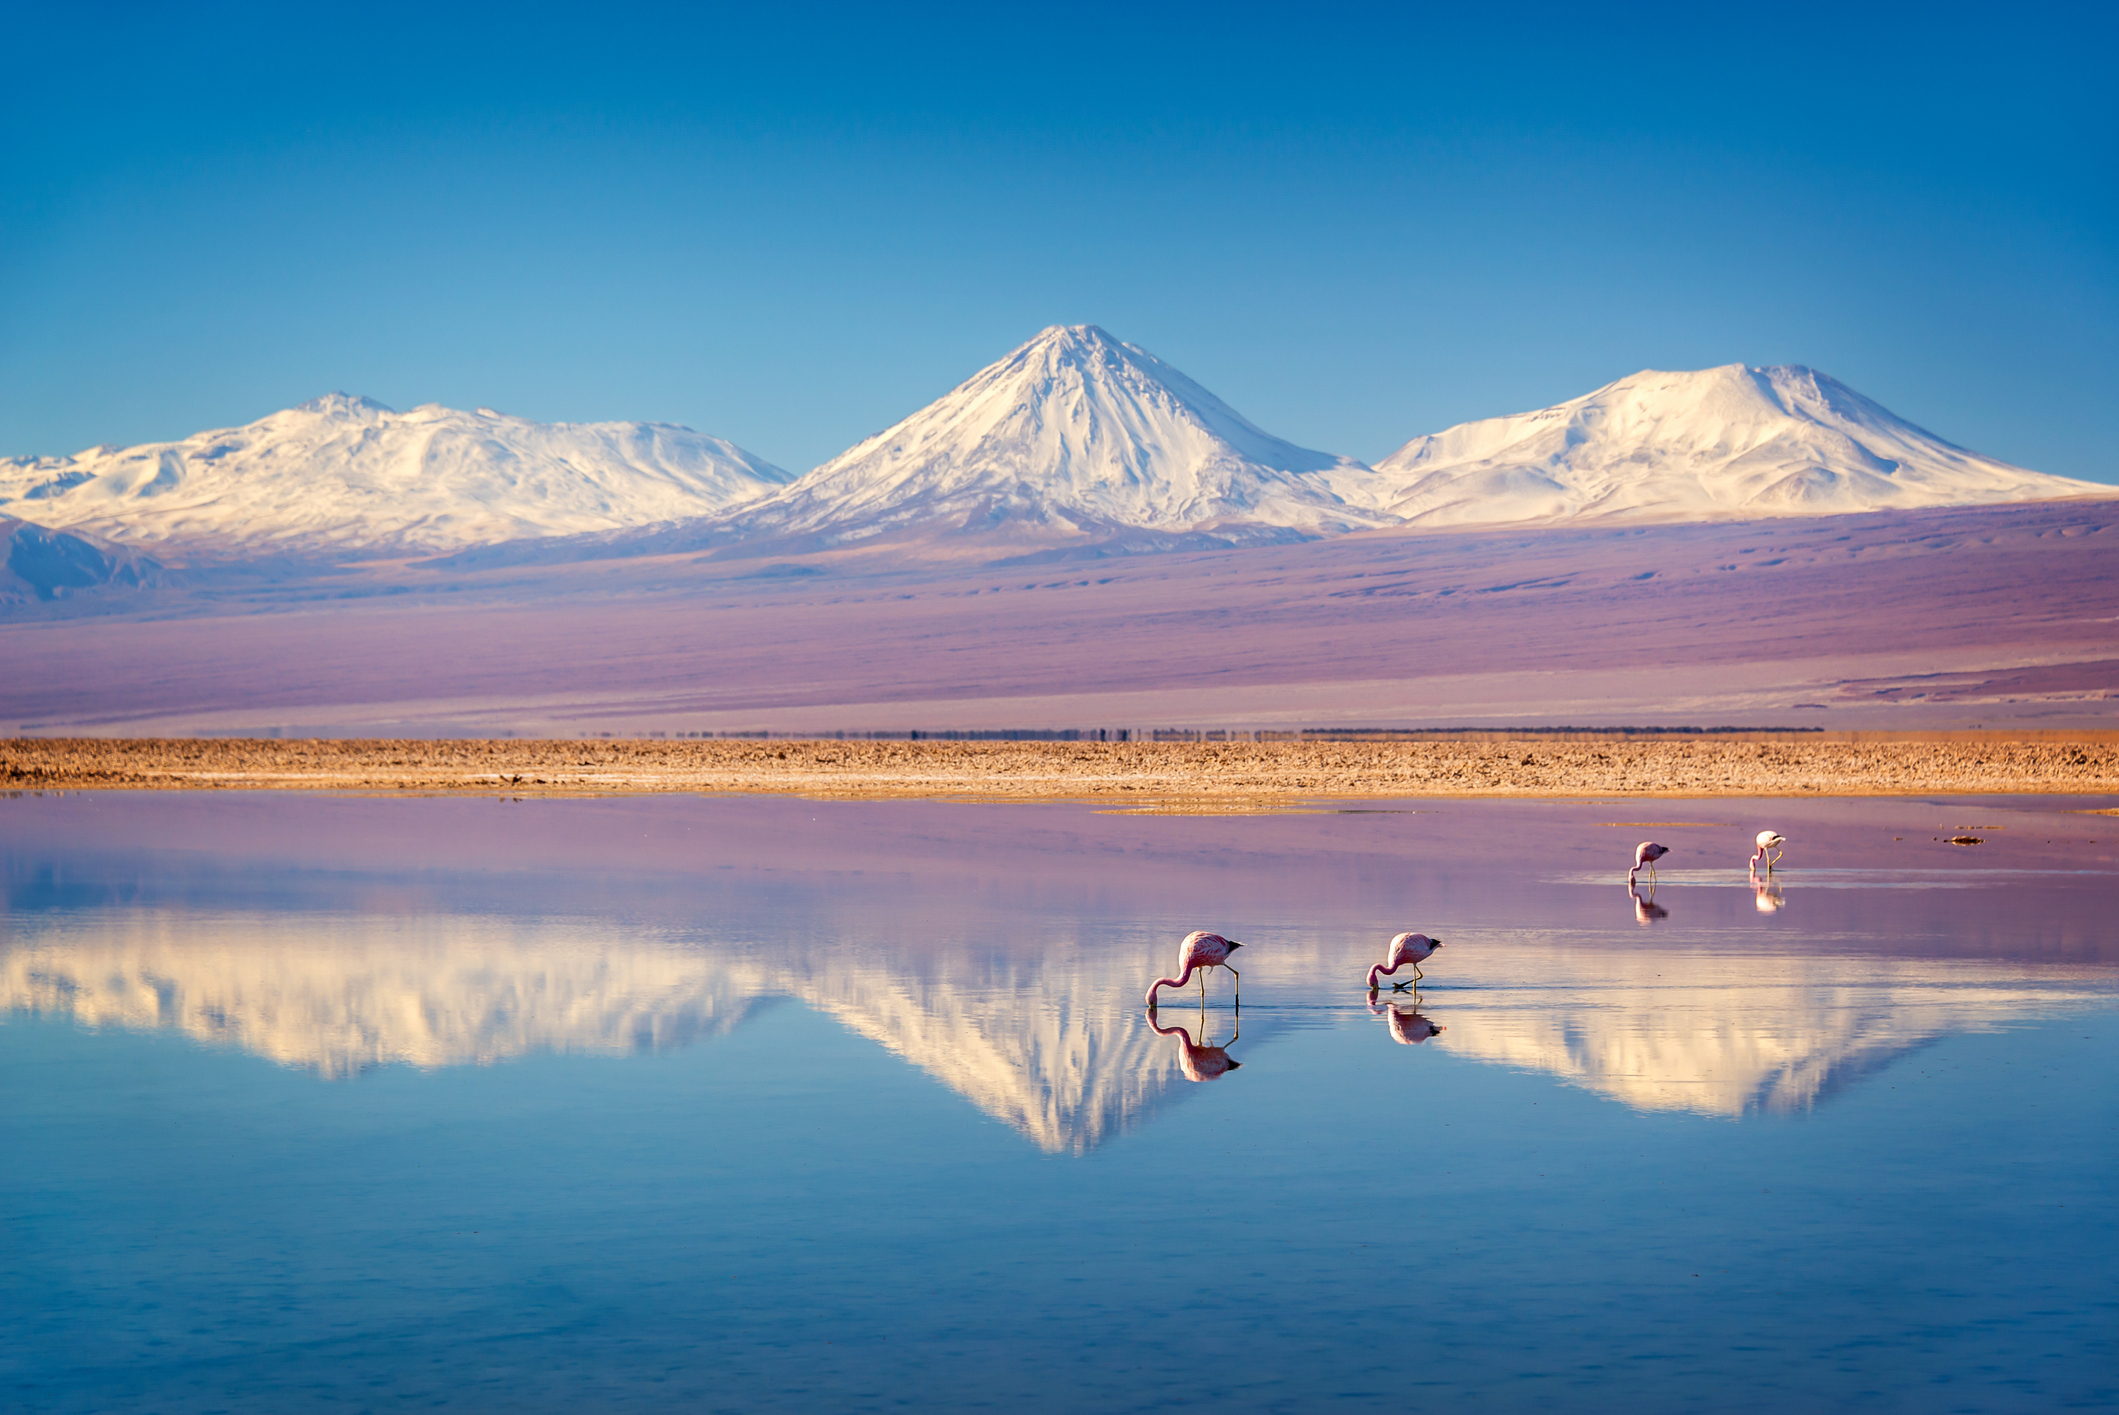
(1197, 775)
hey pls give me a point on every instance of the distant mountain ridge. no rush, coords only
(37, 563)
(1073, 443)
(343, 474)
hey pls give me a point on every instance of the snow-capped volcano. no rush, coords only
(343, 474)
(1074, 433)
(1728, 443)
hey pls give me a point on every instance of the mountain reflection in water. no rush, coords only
(1051, 1041)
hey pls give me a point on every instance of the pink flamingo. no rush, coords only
(1645, 855)
(1405, 948)
(1198, 1061)
(1407, 1028)
(1768, 841)
(1199, 952)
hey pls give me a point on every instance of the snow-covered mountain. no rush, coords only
(1073, 435)
(347, 475)
(1728, 443)
(1075, 441)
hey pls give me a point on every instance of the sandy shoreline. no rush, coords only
(1138, 775)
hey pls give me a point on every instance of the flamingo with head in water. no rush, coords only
(1413, 949)
(1769, 845)
(1644, 857)
(1199, 952)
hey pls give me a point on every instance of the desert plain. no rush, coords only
(1211, 775)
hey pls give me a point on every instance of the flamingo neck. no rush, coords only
(1375, 971)
(1177, 982)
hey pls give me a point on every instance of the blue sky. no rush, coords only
(791, 226)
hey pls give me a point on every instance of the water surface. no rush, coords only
(317, 1103)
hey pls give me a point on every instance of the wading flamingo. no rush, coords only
(1644, 856)
(1405, 948)
(1197, 1060)
(1199, 952)
(1408, 1027)
(1768, 841)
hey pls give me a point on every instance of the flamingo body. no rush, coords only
(1413, 949)
(1644, 857)
(1769, 844)
(1199, 951)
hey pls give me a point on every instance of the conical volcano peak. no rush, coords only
(1071, 434)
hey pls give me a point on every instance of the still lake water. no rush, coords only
(343, 1104)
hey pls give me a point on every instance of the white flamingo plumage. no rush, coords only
(1413, 949)
(1199, 952)
(1644, 857)
(1769, 848)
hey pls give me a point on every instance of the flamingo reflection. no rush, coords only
(1645, 909)
(1767, 895)
(1197, 1060)
(1408, 1027)
(1199, 952)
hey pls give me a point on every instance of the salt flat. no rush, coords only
(1956, 618)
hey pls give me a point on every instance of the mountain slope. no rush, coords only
(1716, 444)
(348, 475)
(36, 563)
(1072, 435)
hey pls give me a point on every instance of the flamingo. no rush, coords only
(1197, 1060)
(1405, 948)
(1199, 952)
(1646, 853)
(1408, 1028)
(1768, 841)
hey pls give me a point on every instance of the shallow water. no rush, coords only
(317, 1103)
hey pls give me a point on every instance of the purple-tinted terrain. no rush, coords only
(1995, 616)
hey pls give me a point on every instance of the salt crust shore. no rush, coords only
(1188, 777)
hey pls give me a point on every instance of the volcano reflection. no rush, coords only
(1051, 1041)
